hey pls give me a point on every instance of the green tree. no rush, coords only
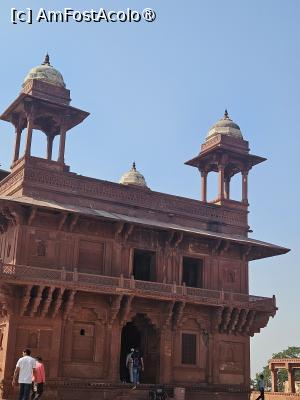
(290, 352)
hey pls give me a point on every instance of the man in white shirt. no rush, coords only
(25, 370)
(129, 363)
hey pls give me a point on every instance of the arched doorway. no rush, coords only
(130, 337)
(140, 333)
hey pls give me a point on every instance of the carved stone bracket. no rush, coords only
(238, 320)
(125, 309)
(167, 315)
(18, 214)
(234, 320)
(217, 319)
(169, 238)
(118, 229)
(36, 301)
(123, 231)
(62, 220)
(177, 314)
(216, 247)
(74, 222)
(249, 322)
(225, 247)
(32, 216)
(178, 239)
(246, 251)
(226, 319)
(25, 300)
(242, 320)
(205, 336)
(128, 231)
(115, 305)
(68, 307)
(47, 303)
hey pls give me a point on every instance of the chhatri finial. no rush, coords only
(47, 60)
(226, 116)
(133, 168)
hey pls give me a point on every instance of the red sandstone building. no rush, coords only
(90, 268)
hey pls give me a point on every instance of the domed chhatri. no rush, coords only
(225, 126)
(134, 178)
(46, 73)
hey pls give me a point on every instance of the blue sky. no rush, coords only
(154, 89)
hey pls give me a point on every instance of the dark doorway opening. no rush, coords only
(144, 265)
(192, 272)
(131, 338)
(142, 335)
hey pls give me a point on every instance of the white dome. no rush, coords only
(225, 126)
(46, 73)
(134, 178)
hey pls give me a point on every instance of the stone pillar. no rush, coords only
(274, 380)
(227, 187)
(29, 133)
(17, 143)
(291, 379)
(67, 341)
(221, 182)
(62, 143)
(50, 139)
(204, 186)
(209, 365)
(114, 338)
(55, 354)
(166, 355)
(99, 344)
(9, 355)
(245, 186)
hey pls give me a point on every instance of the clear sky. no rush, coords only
(154, 89)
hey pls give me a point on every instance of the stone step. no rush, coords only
(136, 394)
(130, 393)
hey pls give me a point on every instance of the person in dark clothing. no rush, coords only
(261, 388)
(137, 366)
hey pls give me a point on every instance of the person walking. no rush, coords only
(25, 369)
(137, 366)
(129, 364)
(261, 388)
(38, 380)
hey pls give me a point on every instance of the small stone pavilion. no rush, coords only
(90, 268)
(290, 365)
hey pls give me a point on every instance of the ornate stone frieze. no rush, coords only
(113, 192)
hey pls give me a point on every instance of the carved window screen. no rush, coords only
(189, 348)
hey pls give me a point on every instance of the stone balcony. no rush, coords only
(233, 312)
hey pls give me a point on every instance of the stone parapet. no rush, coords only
(276, 396)
(37, 177)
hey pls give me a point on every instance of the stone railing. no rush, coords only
(23, 274)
